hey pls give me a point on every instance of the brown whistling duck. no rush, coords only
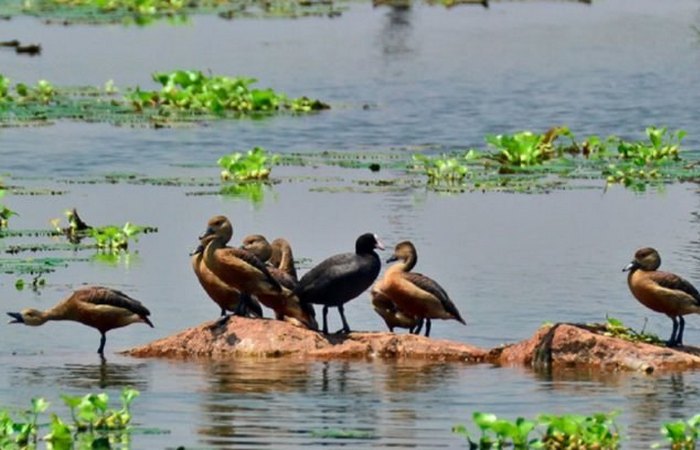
(340, 278)
(282, 257)
(286, 306)
(228, 298)
(391, 314)
(662, 292)
(235, 266)
(414, 294)
(95, 306)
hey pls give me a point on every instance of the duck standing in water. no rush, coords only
(99, 307)
(414, 295)
(228, 298)
(340, 278)
(287, 306)
(662, 292)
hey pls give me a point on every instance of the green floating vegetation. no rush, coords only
(256, 164)
(186, 96)
(598, 431)
(5, 213)
(145, 12)
(92, 424)
(191, 90)
(568, 431)
(633, 164)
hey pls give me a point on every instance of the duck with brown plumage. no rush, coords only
(245, 272)
(95, 306)
(289, 305)
(663, 292)
(415, 297)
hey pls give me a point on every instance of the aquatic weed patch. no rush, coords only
(511, 159)
(92, 423)
(185, 96)
(146, 12)
(547, 431)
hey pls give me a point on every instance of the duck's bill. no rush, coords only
(16, 317)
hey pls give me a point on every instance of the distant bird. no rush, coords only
(413, 294)
(95, 306)
(228, 298)
(662, 292)
(340, 278)
(286, 305)
(245, 272)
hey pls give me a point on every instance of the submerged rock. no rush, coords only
(273, 338)
(579, 346)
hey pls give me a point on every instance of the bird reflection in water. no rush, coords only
(101, 375)
(241, 395)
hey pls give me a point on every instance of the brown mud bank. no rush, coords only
(556, 346)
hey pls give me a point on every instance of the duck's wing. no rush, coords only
(672, 281)
(231, 253)
(98, 295)
(431, 286)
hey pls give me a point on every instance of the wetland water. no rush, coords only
(429, 76)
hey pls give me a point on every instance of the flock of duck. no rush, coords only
(241, 280)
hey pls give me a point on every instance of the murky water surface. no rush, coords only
(428, 75)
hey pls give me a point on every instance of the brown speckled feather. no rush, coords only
(672, 281)
(251, 259)
(113, 297)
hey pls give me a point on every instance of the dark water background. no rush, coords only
(429, 76)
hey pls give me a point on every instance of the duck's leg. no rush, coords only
(679, 335)
(103, 340)
(325, 319)
(427, 326)
(223, 312)
(346, 327)
(672, 340)
(417, 328)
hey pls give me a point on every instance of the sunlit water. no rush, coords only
(428, 75)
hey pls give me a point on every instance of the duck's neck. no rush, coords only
(210, 249)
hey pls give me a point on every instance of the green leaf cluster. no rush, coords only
(94, 423)
(634, 164)
(113, 237)
(615, 328)
(552, 432)
(682, 435)
(193, 91)
(43, 92)
(255, 164)
(5, 212)
(448, 169)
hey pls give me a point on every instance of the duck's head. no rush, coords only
(645, 258)
(30, 316)
(217, 227)
(404, 251)
(367, 242)
(257, 245)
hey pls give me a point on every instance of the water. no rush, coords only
(428, 75)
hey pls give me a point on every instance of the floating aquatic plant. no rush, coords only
(681, 435)
(5, 212)
(185, 96)
(93, 423)
(145, 12)
(255, 164)
(596, 431)
(195, 92)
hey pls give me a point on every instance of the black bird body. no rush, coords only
(341, 278)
